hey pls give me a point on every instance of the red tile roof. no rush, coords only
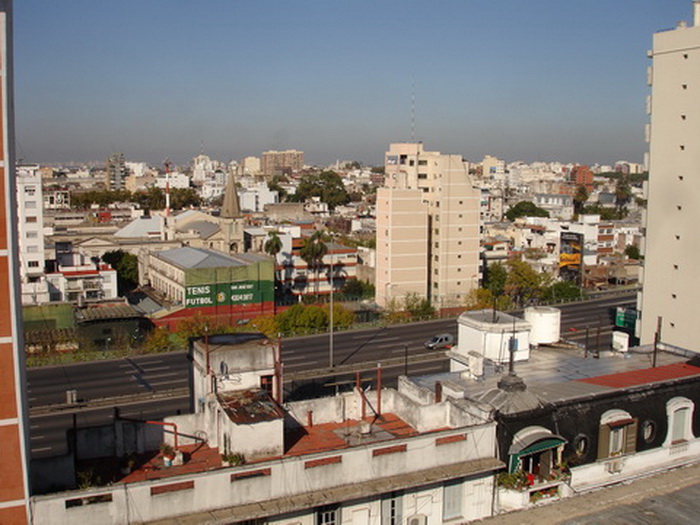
(644, 376)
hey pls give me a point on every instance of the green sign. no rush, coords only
(223, 294)
(625, 317)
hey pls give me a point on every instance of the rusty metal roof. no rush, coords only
(249, 406)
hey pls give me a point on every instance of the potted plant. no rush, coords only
(168, 453)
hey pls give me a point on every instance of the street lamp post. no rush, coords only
(330, 347)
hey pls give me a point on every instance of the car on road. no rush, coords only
(440, 341)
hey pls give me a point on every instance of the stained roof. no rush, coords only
(249, 406)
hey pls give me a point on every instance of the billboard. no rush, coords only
(570, 256)
(223, 294)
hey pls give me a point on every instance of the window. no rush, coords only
(422, 162)
(32, 249)
(680, 414)
(422, 176)
(30, 205)
(391, 509)
(328, 515)
(617, 434)
(33, 264)
(30, 219)
(266, 383)
(648, 431)
(452, 500)
(32, 235)
(30, 190)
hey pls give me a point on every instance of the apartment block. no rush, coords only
(430, 198)
(30, 210)
(274, 162)
(671, 283)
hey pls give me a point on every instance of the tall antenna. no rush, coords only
(413, 111)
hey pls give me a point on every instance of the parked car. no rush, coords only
(440, 341)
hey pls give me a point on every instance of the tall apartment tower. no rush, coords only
(116, 172)
(427, 227)
(671, 281)
(274, 162)
(14, 477)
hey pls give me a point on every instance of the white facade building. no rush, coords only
(255, 198)
(30, 211)
(176, 180)
(671, 283)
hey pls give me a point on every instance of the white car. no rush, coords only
(440, 341)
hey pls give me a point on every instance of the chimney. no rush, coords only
(438, 392)
(696, 13)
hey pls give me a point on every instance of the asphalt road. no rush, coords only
(153, 386)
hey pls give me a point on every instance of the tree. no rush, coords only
(561, 291)
(525, 209)
(184, 198)
(158, 340)
(419, 307)
(495, 278)
(327, 185)
(482, 298)
(633, 252)
(580, 198)
(127, 267)
(273, 246)
(312, 251)
(623, 194)
(524, 284)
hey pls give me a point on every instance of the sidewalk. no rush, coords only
(606, 505)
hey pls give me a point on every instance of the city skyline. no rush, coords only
(539, 81)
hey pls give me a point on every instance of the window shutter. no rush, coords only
(603, 442)
(631, 437)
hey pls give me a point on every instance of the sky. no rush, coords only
(546, 80)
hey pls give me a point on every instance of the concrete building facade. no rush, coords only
(30, 210)
(671, 283)
(14, 426)
(278, 161)
(431, 207)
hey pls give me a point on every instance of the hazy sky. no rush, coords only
(523, 80)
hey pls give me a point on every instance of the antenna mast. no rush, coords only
(413, 111)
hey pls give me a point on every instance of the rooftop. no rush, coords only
(312, 439)
(557, 374)
(189, 258)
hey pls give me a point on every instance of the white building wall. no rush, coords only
(671, 282)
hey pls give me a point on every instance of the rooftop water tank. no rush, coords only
(545, 322)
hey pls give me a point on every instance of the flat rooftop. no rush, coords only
(304, 440)
(556, 374)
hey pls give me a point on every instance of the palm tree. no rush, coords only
(272, 247)
(313, 251)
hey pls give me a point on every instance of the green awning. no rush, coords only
(543, 444)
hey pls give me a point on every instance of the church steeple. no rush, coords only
(230, 208)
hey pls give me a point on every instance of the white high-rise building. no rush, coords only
(30, 226)
(427, 227)
(671, 281)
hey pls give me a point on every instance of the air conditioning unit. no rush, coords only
(418, 519)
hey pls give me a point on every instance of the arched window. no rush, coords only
(680, 416)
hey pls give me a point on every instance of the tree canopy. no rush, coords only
(327, 185)
(525, 209)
